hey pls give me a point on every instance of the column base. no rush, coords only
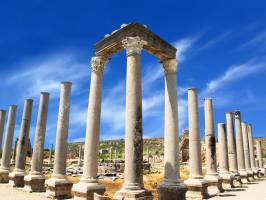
(16, 178)
(250, 175)
(34, 183)
(58, 188)
(125, 194)
(197, 189)
(214, 184)
(4, 175)
(86, 190)
(243, 176)
(228, 180)
(173, 192)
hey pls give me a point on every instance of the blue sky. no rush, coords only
(221, 48)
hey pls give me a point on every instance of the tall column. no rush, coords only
(58, 186)
(2, 124)
(148, 153)
(246, 150)
(50, 162)
(231, 143)
(111, 153)
(239, 147)
(251, 150)
(197, 185)
(171, 187)
(133, 175)
(260, 155)
(34, 182)
(89, 182)
(7, 150)
(14, 152)
(214, 180)
(80, 155)
(223, 157)
(16, 178)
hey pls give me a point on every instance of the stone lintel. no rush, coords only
(154, 44)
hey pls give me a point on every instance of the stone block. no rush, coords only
(173, 192)
(58, 188)
(34, 183)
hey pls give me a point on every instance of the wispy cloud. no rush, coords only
(256, 40)
(183, 46)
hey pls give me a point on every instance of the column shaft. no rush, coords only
(2, 124)
(231, 143)
(223, 159)
(246, 146)
(259, 153)
(251, 149)
(62, 131)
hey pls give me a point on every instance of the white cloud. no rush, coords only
(256, 40)
(183, 46)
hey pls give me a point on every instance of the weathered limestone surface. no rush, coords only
(196, 184)
(34, 182)
(171, 187)
(50, 162)
(240, 148)
(80, 155)
(16, 178)
(223, 158)
(89, 183)
(58, 186)
(133, 183)
(7, 150)
(260, 156)
(214, 180)
(251, 151)
(246, 151)
(2, 124)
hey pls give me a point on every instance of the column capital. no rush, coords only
(98, 63)
(133, 45)
(170, 66)
(237, 114)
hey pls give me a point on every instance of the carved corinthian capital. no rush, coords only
(133, 45)
(170, 66)
(98, 64)
(237, 114)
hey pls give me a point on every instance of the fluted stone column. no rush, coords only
(223, 158)
(251, 150)
(2, 124)
(50, 162)
(240, 148)
(260, 156)
(80, 155)
(14, 152)
(16, 178)
(172, 186)
(197, 185)
(7, 150)
(246, 151)
(214, 180)
(89, 182)
(35, 181)
(58, 186)
(133, 176)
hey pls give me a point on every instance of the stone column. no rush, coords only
(223, 157)
(80, 155)
(133, 176)
(16, 178)
(231, 143)
(148, 153)
(251, 150)
(172, 186)
(14, 152)
(58, 186)
(2, 124)
(259, 156)
(89, 182)
(197, 185)
(7, 150)
(240, 148)
(34, 182)
(50, 162)
(214, 180)
(111, 153)
(246, 151)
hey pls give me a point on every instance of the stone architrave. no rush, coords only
(16, 178)
(240, 148)
(35, 181)
(2, 124)
(223, 158)
(214, 180)
(246, 151)
(196, 184)
(89, 184)
(133, 187)
(172, 187)
(58, 186)
(7, 150)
